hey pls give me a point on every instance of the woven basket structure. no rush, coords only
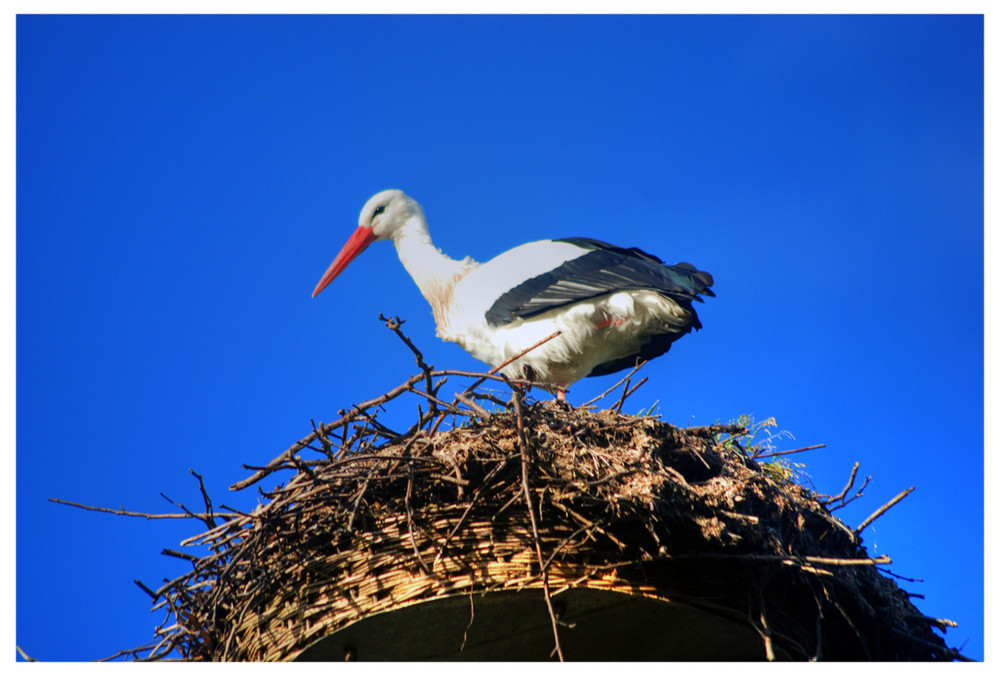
(537, 499)
(620, 503)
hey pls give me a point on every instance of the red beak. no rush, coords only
(352, 249)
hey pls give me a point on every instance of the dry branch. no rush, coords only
(882, 509)
(121, 511)
(617, 384)
(778, 453)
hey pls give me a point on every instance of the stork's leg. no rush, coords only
(559, 400)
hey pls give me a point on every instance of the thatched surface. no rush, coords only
(622, 503)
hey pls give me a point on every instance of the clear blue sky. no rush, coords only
(183, 182)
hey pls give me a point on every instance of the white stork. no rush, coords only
(613, 306)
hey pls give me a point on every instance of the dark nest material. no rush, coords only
(537, 496)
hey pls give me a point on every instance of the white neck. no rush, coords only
(434, 273)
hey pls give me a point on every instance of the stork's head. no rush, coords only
(382, 216)
(388, 211)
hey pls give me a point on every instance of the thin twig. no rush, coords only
(346, 418)
(180, 554)
(409, 523)
(758, 557)
(324, 441)
(617, 384)
(912, 580)
(509, 361)
(145, 588)
(776, 453)
(435, 401)
(766, 633)
(521, 353)
(135, 514)
(888, 505)
(206, 516)
(850, 483)
(626, 392)
(388, 457)
(710, 430)
(380, 428)
(857, 495)
(395, 325)
(472, 617)
(617, 407)
(357, 503)
(472, 404)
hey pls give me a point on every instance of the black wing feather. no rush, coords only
(605, 269)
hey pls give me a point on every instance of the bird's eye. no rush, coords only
(378, 210)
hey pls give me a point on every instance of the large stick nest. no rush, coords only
(533, 495)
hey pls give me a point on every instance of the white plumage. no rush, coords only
(613, 306)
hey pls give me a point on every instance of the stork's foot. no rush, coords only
(560, 400)
(525, 389)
